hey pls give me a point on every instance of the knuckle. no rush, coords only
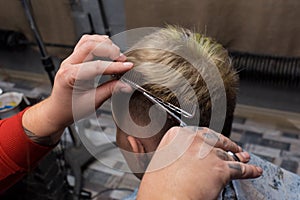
(107, 40)
(225, 142)
(85, 37)
(88, 45)
(66, 76)
(225, 176)
(220, 166)
(63, 64)
(174, 129)
(62, 71)
(66, 73)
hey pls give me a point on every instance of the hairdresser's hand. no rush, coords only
(75, 85)
(198, 173)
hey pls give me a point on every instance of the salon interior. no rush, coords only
(262, 38)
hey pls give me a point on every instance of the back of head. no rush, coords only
(173, 62)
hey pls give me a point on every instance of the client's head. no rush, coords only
(174, 65)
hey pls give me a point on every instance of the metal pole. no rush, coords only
(46, 59)
(104, 18)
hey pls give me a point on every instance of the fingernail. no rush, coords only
(245, 155)
(127, 64)
(259, 170)
(122, 87)
(122, 57)
(106, 36)
(126, 89)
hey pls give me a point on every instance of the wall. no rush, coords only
(263, 27)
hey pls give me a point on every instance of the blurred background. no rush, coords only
(262, 38)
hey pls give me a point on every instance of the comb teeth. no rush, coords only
(135, 80)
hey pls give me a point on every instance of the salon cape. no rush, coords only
(274, 184)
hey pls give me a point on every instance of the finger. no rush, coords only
(104, 92)
(223, 155)
(229, 156)
(99, 38)
(140, 146)
(123, 87)
(229, 145)
(219, 141)
(121, 58)
(235, 157)
(243, 171)
(90, 70)
(107, 49)
(243, 156)
(88, 39)
(95, 37)
(91, 48)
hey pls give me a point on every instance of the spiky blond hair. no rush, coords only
(173, 60)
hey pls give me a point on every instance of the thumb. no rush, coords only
(105, 91)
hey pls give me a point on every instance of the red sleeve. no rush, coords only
(18, 154)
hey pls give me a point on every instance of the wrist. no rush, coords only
(43, 121)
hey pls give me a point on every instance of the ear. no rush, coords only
(136, 145)
(140, 157)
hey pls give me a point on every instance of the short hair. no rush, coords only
(163, 50)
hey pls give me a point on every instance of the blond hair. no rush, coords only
(165, 53)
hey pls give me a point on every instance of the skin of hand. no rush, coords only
(52, 115)
(192, 177)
